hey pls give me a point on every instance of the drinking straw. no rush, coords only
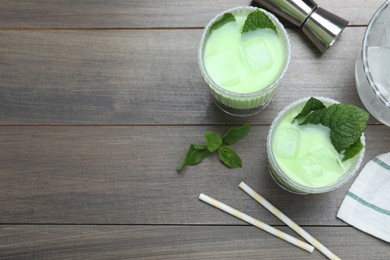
(288, 221)
(257, 223)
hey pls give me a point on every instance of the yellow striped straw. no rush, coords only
(288, 221)
(255, 222)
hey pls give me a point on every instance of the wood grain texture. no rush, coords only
(146, 77)
(126, 175)
(177, 242)
(93, 123)
(145, 14)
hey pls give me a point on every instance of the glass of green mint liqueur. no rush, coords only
(302, 158)
(243, 55)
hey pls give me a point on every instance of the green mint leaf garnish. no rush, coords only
(195, 155)
(315, 117)
(234, 134)
(257, 19)
(213, 141)
(229, 157)
(311, 105)
(346, 123)
(353, 150)
(226, 18)
(327, 117)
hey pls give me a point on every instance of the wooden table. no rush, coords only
(99, 101)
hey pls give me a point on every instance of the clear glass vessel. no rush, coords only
(288, 182)
(242, 104)
(372, 70)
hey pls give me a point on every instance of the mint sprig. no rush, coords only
(353, 150)
(195, 154)
(346, 123)
(235, 134)
(257, 19)
(229, 157)
(311, 105)
(215, 142)
(226, 18)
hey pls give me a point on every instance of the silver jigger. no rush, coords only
(322, 27)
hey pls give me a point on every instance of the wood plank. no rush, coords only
(126, 175)
(145, 77)
(177, 242)
(145, 14)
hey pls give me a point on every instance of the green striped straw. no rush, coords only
(288, 221)
(255, 222)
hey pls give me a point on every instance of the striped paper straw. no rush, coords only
(288, 221)
(255, 222)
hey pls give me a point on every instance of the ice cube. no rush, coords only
(320, 163)
(224, 67)
(379, 65)
(312, 168)
(255, 55)
(286, 142)
(386, 34)
(226, 37)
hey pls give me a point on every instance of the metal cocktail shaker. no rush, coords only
(322, 27)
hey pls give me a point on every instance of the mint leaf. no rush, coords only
(229, 157)
(328, 115)
(315, 117)
(226, 18)
(257, 19)
(213, 141)
(346, 123)
(346, 126)
(311, 105)
(353, 150)
(234, 134)
(195, 155)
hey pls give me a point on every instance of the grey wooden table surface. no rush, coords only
(99, 101)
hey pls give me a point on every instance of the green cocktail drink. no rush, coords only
(302, 158)
(243, 69)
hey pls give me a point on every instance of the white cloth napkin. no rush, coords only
(367, 203)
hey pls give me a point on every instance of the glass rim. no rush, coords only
(205, 34)
(305, 189)
(364, 54)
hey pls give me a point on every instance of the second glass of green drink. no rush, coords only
(302, 158)
(243, 68)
